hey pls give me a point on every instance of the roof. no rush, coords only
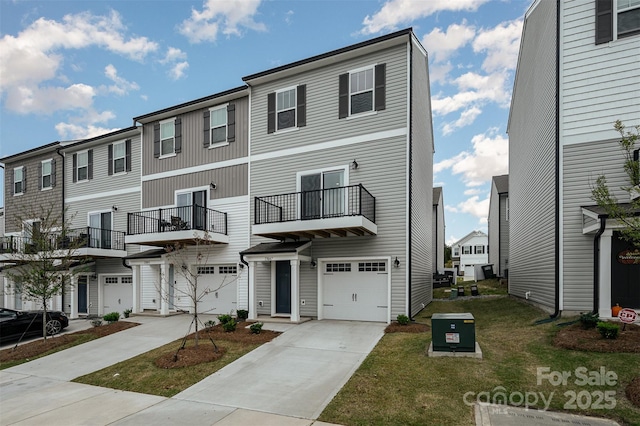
(105, 136)
(502, 184)
(600, 212)
(288, 247)
(50, 146)
(469, 236)
(437, 193)
(148, 254)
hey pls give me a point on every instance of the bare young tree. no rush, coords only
(625, 213)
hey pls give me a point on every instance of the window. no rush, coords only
(18, 180)
(338, 267)
(466, 249)
(479, 249)
(111, 280)
(167, 133)
(167, 137)
(119, 157)
(82, 170)
(46, 174)
(456, 251)
(362, 91)
(628, 17)
(206, 270)
(624, 13)
(287, 109)
(371, 266)
(218, 121)
(126, 280)
(233, 270)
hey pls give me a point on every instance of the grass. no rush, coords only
(485, 287)
(399, 385)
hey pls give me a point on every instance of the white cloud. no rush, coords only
(474, 90)
(178, 70)
(397, 12)
(227, 17)
(472, 191)
(467, 117)
(121, 86)
(288, 17)
(176, 60)
(441, 45)
(452, 239)
(438, 73)
(173, 55)
(501, 44)
(89, 125)
(46, 100)
(475, 207)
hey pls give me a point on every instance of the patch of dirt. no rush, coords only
(574, 337)
(190, 355)
(633, 391)
(414, 327)
(38, 347)
(241, 335)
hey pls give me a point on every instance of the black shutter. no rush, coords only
(271, 112)
(301, 102)
(13, 182)
(156, 140)
(231, 123)
(110, 155)
(127, 150)
(178, 135)
(604, 21)
(381, 77)
(40, 176)
(74, 165)
(343, 98)
(90, 163)
(206, 126)
(53, 173)
(24, 179)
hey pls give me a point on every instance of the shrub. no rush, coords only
(403, 319)
(96, 322)
(209, 323)
(127, 312)
(229, 326)
(256, 328)
(224, 318)
(111, 317)
(242, 314)
(589, 320)
(608, 330)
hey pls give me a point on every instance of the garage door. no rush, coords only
(356, 290)
(220, 282)
(117, 294)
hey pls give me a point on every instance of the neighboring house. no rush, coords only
(102, 183)
(499, 225)
(194, 183)
(1, 266)
(437, 227)
(341, 154)
(577, 73)
(470, 251)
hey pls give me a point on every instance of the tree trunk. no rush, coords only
(44, 319)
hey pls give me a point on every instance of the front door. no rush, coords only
(283, 287)
(82, 295)
(625, 273)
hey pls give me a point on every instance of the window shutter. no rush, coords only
(231, 123)
(206, 125)
(178, 136)
(380, 95)
(110, 155)
(40, 177)
(156, 140)
(604, 21)
(13, 182)
(127, 160)
(90, 164)
(74, 165)
(343, 99)
(24, 179)
(271, 112)
(301, 102)
(53, 173)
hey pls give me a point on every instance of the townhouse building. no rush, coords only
(468, 252)
(577, 74)
(438, 228)
(498, 224)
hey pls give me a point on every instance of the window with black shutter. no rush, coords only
(287, 108)
(362, 91)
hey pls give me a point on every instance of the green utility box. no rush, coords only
(453, 332)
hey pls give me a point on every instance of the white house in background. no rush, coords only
(437, 226)
(469, 252)
(499, 225)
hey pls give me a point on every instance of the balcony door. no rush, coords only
(192, 208)
(322, 195)
(100, 230)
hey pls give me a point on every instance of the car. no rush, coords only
(14, 324)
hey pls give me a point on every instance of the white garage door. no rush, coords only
(356, 290)
(220, 282)
(117, 294)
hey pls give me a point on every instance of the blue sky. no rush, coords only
(76, 69)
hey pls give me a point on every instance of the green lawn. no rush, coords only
(485, 287)
(399, 385)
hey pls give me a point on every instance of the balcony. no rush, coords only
(78, 242)
(185, 225)
(336, 212)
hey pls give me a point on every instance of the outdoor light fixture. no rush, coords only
(396, 262)
(114, 208)
(212, 185)
(313, 264)
(354, 165)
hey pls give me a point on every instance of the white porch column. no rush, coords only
(73, 297)
(295, 290)
(135, 276)
(164, 289)
(253, 305)
(604, 305)
(9, 293)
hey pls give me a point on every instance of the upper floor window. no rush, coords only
(628, 17)
(167, 133)
(167, 137)
(479, 249)
(83, 166)
(119, 157)
(456, 251)
(362, 90)
(218, 121)
(47, 170)
(625, 14)
(219, 126)
(466, 249)
(19, 174)
(287, 109)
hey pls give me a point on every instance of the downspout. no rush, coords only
(556, 313)
(246, 263)
(409, 254)
(62, 215)
(596, 264)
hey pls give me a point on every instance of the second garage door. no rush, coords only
(356, 290)
(117, 293)
(220, 284)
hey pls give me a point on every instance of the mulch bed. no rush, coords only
(413, 327)
(574, 337)
(191, 355)
(38, 347)
(633, 391)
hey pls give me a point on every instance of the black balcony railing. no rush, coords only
(352, 200)
(183, 218)
(77, 238)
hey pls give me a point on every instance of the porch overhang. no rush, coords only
(593, 215)
(317, 228)
(266, 252)
(184, 237)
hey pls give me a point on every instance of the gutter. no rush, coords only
(248, 284)
(596, 264)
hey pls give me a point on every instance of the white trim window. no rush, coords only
(119, 157)
(478, 249)
(218, 123)
(46, 179)
(286, 108)
(18, 180)
(466, 249)
(456, 251)
(361, 91)
(628, 17)
(167, 137)
(82, 167)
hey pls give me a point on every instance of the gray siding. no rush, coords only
(494, 227)
(532, 164)
(193, 153)
(504, 236)
(582, 164)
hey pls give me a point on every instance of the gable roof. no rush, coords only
(469, 236)
(502, 184)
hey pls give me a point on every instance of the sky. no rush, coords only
(76, 69)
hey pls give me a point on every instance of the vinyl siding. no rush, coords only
(504, 237)
(150, 275)
(600, 83)
(532, 164)
(582, 164)
(437, 243)
(494, 227)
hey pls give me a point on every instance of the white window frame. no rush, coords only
(294, 108)
(343, 169)
(456, 251)
(466, 247)
(42, 175)
(478, 246)
(357, 92)
(173, 138)
(123, 157)
(615, 20)
(78, 166)
(225, 142)
(21, 169)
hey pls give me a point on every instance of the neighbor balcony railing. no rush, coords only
(77, 238)
(172, 219)
(352, 200)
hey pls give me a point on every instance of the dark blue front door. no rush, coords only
(283, 287)
(82, 295)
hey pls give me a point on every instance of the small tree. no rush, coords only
(625, 214)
